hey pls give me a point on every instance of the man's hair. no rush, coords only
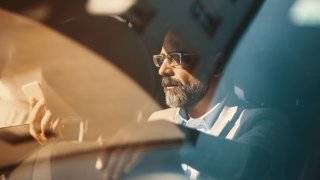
(174, 43)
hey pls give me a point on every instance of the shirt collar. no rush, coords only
(203, 123)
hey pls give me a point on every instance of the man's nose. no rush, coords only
(166, 69)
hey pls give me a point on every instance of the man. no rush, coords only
(186, 94)
(190, 98)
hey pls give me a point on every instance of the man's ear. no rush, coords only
(220, 60)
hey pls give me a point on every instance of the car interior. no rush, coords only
(94, 65)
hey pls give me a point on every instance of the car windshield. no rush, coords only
(150, 89)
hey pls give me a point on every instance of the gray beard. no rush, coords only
(186, 95)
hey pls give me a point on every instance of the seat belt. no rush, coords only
(232, 122)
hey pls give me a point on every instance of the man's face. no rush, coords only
(181, 87)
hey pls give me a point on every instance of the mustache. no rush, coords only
(166, 81)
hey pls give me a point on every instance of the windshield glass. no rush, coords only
(202, 89)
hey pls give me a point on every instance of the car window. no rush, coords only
(94, 63)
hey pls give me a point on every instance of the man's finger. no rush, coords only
(46, 122)
(117, 161)
(110, 164)
(104, 158)
(34, 118)
(119, 167)
(118, 156)
(36, 135)
(56, 125)
(100, 164)
(37, 112)
(134, 159)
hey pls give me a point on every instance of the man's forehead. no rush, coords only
(163, 51)
(173, 43)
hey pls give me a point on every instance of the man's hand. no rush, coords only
(136, 145)
(41, 121)
(115, 161)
